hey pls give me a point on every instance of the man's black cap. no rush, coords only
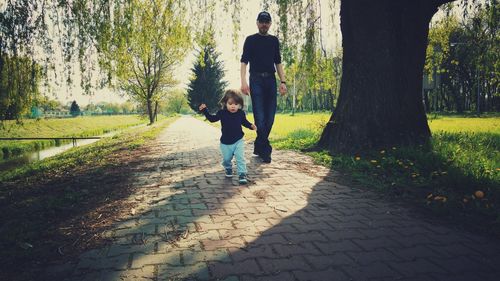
(264, 17)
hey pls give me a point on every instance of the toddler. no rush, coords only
(231, 117)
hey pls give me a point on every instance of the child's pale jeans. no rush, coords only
(238, 150)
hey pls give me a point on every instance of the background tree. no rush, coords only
(47, 104)
(206, 85)
(19, 79)
(74, 109)
(177, 102)
(464, 54)
(144, 62)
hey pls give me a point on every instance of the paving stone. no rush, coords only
(288, 250)
(415, 252)
(322, 275)
(418, 266)
(329, 248)
(307, 228)
(143, 274)
(118, 262)
(193, 257)
(322, 262)
(276, 265)
(377, 243)
(197, 271)
(282, 276)
(140, 260)
(311, 236)
(210, 245)
(372, 271)
(223, 270)
(241, 254)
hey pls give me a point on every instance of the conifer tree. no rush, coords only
(206, 85)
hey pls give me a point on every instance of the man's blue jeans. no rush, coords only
(238, 150)
(264, 100)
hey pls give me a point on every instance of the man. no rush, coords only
(262, 51)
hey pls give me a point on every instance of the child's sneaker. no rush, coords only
(229, 173)
(243, 179)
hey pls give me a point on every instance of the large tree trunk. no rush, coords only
(380, 102)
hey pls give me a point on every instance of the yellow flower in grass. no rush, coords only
(479, 194)
(357, 158)
(373, 161)
(440, 198)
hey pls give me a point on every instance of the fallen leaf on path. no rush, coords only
(25, 245)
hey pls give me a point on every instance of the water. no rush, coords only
(30, 157)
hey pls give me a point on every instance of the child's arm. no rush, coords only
(246, 123)
(210, 117)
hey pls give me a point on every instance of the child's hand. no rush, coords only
(254, 127)
(202, 106)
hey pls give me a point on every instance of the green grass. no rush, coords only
(70, 127)
(93, 154)
(464, 124)
(463, 158)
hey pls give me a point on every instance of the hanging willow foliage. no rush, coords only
(64, 34)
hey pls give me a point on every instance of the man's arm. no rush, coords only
(281, 74)
(245, 58)
(243, 75)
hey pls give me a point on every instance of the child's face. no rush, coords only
(232, 106)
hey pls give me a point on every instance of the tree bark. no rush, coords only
(380, 102)
(150, 111)
(155, 115)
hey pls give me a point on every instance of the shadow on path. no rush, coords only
(292, 222)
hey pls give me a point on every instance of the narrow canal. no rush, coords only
(30, 157)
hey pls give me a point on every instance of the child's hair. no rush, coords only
(231, 94)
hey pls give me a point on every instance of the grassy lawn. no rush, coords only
(53, 209)
(90, 154)
(69, 127)
(459, 173)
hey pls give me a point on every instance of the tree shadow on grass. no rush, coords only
(52, 220)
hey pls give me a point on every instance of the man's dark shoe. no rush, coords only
(266, 158)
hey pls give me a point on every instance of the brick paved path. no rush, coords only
(293, 222)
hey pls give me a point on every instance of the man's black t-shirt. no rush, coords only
(262, 51)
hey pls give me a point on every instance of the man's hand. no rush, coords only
(244, 88)
(254, 127)
(202, 106)
(282, 89)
